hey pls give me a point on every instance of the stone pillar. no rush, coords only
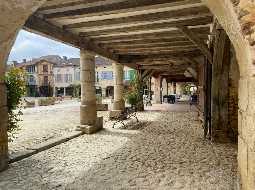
(88, 109)
(119, 103)
(103, 93)
(157, 90)
(64, 91)
(54, 91)
(88, 91)
(167, 88)
(172, 88)
(178, 89)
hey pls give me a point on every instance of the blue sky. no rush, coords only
(29, 45)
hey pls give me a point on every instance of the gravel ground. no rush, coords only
(43, 123)
(164, 151)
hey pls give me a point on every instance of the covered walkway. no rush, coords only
(165, 151)
(199, 41)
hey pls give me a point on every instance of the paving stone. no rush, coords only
(166, 152)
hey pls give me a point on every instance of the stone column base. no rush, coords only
(88, 114)
(119, 105)
(90, 129)
(102, 107)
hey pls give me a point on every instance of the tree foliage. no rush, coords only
(134, 93)
(16, 88)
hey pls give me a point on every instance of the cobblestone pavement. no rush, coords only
(164, 151)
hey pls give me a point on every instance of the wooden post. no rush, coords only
(166, 88)
(220, 77)
(160, 90)
(207, 98)
(150, 94)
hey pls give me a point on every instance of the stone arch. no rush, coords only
(228, 16)
(14, 14)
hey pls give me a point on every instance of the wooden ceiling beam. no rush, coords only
(204, 31)
(42, 27)
(182, 78)
(153, 51)
(152, 26)
(148, 41)
(114, 8)
(154, 48)
(68, 5)
(152, 17)
(174, 55)
(146, 45)
(196, 40)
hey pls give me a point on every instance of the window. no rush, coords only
(45, 80)
(68, 78)
(31, 79)
(30, 69)
(129, 75)
(77, 76)
(126, 75)
(106, 75)
(58, 78)
(45, 68)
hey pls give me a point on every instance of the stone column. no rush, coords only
(88, 110)
(171, 89)
(54, 91)
(103, 93)
(64, 91)
(119, 103)
(157, 90)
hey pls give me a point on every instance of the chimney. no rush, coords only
(24, 60)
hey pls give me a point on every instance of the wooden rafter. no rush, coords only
(47, 29)
(195, 39)
(117, 7)
(153, 26)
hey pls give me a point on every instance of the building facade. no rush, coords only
(56, 76)
(65, 77)
(39, 75)
(104, 78)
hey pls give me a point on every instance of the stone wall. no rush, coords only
(238, 22)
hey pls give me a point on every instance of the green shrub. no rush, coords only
(46, 101)
(16, 88)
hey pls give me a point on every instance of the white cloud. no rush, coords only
(29, 45)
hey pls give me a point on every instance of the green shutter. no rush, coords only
(131, 74)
